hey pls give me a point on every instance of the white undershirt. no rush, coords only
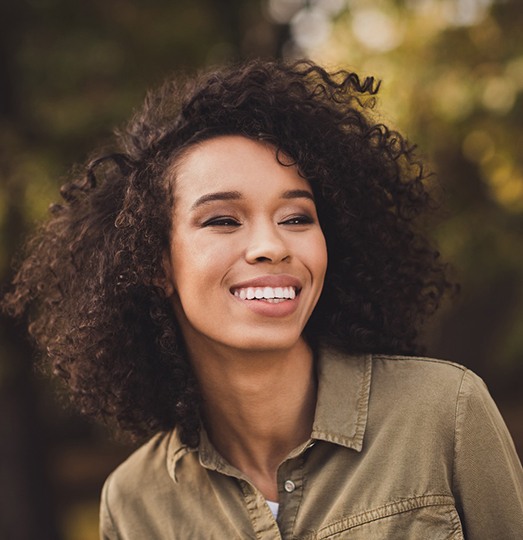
(274, 508)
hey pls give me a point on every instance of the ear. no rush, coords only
(166, 282)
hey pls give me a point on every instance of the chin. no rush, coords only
(263, 344)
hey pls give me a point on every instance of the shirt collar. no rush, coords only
(341, 409)
(343, 398)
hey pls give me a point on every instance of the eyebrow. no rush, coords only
(236, 195)
(298, 194)
(217, 196)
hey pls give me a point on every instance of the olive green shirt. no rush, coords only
(401, 448)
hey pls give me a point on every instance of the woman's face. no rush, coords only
(248, 257)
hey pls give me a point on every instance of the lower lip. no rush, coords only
(268, 309)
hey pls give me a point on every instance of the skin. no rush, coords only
(242, 220)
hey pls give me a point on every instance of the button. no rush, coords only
(289, 486)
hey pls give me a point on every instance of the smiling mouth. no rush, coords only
(273, 295)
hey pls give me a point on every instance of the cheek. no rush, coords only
(197, 267)
(317, 256)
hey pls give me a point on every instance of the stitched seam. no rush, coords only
(455, 442)
(362, 402)
(355, 440)
(301, 468)
(456, 522)
(425, 359)
(250, 500)
(108, 510)
(388, 510)
(248, 497)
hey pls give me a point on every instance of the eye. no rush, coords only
(221, 221)
(298, 220)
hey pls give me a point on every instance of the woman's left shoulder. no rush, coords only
(426, 379)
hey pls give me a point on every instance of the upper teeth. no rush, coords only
(251, 293)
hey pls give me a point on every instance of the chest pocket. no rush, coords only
(430, 516)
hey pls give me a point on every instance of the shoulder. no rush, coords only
(143, 499)
(413, 373)
(147, 462)
(423, 388)
(419, 363)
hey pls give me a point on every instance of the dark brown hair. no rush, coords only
(88, 280)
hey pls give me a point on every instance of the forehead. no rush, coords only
(234, 163)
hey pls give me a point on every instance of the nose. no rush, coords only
(266, 244)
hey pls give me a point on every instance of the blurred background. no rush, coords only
(70, 71)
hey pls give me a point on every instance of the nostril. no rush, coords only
(266, 252)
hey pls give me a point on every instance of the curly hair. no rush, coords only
(89, 279)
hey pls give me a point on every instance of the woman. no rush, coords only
(245, 277)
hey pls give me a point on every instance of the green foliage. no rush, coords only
(453, 80)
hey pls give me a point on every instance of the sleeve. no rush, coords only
(107, 527)
(488, 478)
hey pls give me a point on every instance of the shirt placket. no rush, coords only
(291, 481)
(263, 522)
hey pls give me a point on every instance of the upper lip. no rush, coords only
(270, 280)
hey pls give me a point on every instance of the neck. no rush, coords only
(257, 407)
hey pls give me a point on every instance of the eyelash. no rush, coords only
(226, 221)
(221, 222)
(298, 220)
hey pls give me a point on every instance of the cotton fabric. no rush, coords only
(401, 448)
